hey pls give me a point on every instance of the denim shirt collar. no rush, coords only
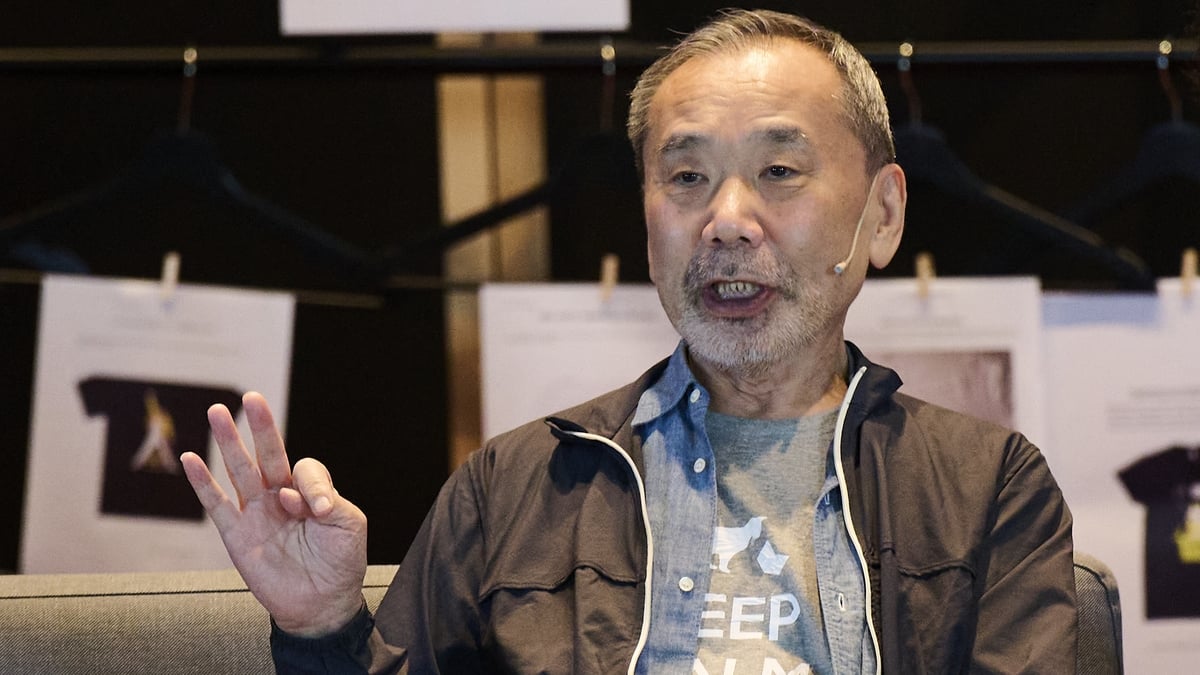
(670, 388)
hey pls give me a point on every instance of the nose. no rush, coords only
(733, 220)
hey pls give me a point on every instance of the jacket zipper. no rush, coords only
(849, 520)
(641, 486)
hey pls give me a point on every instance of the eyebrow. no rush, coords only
(783, 136)
(681, 143)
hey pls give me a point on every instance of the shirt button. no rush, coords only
(695, 396)
(686, 584)
(699, 465)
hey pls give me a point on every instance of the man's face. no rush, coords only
(753, 186)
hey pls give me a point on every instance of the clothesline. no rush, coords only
(575, 54)
(343, 299)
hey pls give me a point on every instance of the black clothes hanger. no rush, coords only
(191, 160)
(595, 182)
(604, 159)
(930, 163)
(926, 158)
(1168, 151)
(182, 158)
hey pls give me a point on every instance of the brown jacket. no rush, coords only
(533, 557)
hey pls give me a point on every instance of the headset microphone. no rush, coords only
(843, 264)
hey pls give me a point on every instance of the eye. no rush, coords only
(688, 178)
(778, 171)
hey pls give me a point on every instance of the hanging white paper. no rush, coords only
(545, 347)
(970, 344)
(124, 378)
(1123, 391)
(322, 17)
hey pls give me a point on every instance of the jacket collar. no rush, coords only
(877, 384)
(612, 414)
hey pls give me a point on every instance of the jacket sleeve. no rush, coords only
(1027, 615)
(356, 648)
(428, 620)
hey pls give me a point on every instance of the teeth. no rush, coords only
(727, 290)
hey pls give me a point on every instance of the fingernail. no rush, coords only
(321, 505)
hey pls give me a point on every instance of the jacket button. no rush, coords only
(699, 465)
(686, 584)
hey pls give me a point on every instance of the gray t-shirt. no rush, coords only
(762, 609)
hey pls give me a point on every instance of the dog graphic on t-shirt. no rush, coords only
(730, 541)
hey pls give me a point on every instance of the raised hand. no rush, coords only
(299, 545)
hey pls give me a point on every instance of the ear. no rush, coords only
(891, 196)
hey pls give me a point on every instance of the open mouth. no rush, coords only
(736, 290)
(737, 298)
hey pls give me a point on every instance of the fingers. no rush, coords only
(243, 473)
(216, 503)
(304, 492)
(269, 467)
(268, 443)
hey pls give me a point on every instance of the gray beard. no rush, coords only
(750, 346)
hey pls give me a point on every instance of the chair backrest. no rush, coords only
(1099, 650)
(207, 622)
(202, 623)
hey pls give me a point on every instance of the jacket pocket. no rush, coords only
(588, 623)
(565, 570)
(934, 618)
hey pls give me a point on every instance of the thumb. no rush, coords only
(312, 481)
(313, 493)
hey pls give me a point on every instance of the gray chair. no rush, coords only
(207, 622)
(1099, 651)
(148, 622)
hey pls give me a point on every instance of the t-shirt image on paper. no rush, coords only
(1167, 482)
(150, 424)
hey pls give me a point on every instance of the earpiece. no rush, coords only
(843, 264)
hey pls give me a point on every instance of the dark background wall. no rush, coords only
(352, 150)
(1047, 132)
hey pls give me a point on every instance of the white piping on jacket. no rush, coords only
(637, 476)
(849, 520)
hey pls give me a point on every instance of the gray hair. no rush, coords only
(737, 29)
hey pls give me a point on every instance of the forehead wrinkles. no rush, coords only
(745, 88)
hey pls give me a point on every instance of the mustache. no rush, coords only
(757, 265)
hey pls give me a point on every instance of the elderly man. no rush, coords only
(763, 501)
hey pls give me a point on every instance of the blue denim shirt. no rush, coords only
(681, 496)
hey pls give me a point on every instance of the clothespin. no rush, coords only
(925, 273)
(1187, 272)
(170, 277)
(610, 264)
